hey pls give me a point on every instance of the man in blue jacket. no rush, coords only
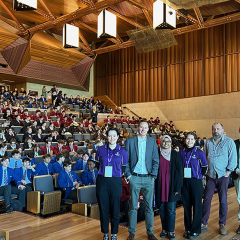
(58, 165)
(141, 170)
(89, 176)
(82, 164)
(69, 180)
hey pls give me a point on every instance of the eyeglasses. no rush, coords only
(166, 141)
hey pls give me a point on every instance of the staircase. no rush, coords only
(106, 101)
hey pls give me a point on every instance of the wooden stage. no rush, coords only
(70, 226)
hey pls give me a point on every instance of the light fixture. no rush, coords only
(24, 5)
(107, 24)
(70, 36)
(164, 17)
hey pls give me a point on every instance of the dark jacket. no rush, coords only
(152, 158)
(234, 174)
(176, 179)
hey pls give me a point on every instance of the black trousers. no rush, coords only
(20, 193)
(192, 192)
(73, 195)
(109, 192)
(6, 192)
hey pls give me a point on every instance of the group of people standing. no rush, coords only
(171, 175)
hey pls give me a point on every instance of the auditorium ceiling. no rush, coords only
(40, 31)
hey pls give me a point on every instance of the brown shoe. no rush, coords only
(222, 229)
(151, 237)
(131, 236)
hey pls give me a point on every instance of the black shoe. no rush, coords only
(163, 234)
(186, 234)
(238, 230)
(113, 237)
(105, 236)
(9, 209)
(193, 235)
(171, 235)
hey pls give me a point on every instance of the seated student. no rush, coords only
(46, 117)
(15, 160)
(13, 144)
(45, 167)
(89, 176)
(17, 121)
(36, 149)
(54, 137)
(78, 155)
(3, 149)
(31, 156)
(40, 121)
(93, 154)
(53, 112)
(2, 136)
(71, 147)
(47, 148)
(43, 99)
(44, 127)
(7, 178)
(81, 164)
(69, 180)
(24, 175)
(23, 97)
(11, 135)
(36, 115)
(39, 137)
(7, 114)
(59, 147)
(58, 165)
(28, 143)
(25, 114)
(27, 134)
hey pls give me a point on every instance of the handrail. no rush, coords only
(132, 112)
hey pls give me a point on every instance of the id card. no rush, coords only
(187, 172)
(108, 171)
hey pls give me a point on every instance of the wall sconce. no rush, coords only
(107, 24)
(70, 36)
(163, 16)
(24, 5)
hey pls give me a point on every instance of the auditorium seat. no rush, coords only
(4, 234)
(132, 125)
(17, 129)
(77, 136)
(119, 125)
(129, 130)
(38, 159)
(20, 137)
(43, 189)
(125, 125)
(86, 136)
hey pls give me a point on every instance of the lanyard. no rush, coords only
(188, 161)
(110, 156)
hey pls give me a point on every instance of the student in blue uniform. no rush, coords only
(111, 158)
(89, 176)
(58, 165)
(82, 164)
(24, 175)
(45, 167)
(195, 166)
(15, 160)
(69, 180)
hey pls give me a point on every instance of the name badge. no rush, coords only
(108, 171)
(187, 172)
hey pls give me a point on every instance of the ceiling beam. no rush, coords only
(42, 13)
(11, 14)
(199, 16)
(146, 13)
(89, 3)
(210, 18)
(137, 4)
(47, 9)
(71, 16)
(211, 23)
(188, 17)
(138, 25)
(9, 22)
(104, 44)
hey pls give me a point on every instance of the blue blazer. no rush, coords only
(10, 173)
(64, 181)
(57, 168)
(18, 175)
(87, 177)
(79, 165)
(41, 169)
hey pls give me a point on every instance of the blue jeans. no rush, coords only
(168, 215)
(146, 184)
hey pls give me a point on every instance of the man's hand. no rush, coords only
(227, 174)
(24, 182)
(21, 187)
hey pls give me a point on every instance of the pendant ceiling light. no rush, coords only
(164, 17)
(24, 5)
(107, 24)
(70, 36)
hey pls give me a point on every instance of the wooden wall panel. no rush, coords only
(100, 86)
(213, 76)
(174, 53)
(232, 37)
(193, 79)
(173, 81)
(193, 45)
(113, 84)
(126, 95)
(101, 65)
(233, 72)
(19, 86)
(156, 84)
(141, 86)
(213, 41)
